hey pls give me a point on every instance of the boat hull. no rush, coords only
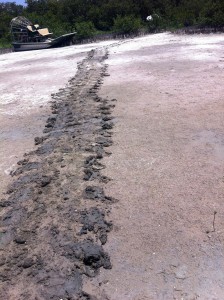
(30, 46)
(62, 40)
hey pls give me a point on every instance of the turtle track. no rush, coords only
(54, 218)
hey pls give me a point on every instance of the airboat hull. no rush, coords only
(31, 46)
(60, 41)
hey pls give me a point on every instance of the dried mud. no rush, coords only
(55, 217)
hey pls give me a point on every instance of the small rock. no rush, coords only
(20, 240)
(27, 263)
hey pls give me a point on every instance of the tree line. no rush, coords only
(90, 17)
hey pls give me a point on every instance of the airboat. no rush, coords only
(29, 36)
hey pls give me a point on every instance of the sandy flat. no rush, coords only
(27, 80)
(167, 162)
(167, 169)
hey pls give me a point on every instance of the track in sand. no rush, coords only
(54, 219)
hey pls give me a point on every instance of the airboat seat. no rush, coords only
(41, 31)
(44, 32)
(31, 28)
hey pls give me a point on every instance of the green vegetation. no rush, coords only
(127, 24)
(89, 17)
(85, 29)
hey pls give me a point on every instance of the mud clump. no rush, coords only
(97, 193)
(94, 220)
(90, 254)
(94, 192)
(43, 251)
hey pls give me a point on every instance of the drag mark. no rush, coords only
(55, 218)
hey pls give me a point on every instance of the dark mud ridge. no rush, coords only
(54, 219)
(5, 50)
(199, 30)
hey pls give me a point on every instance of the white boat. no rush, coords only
(27, 36)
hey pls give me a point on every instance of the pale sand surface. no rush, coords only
(167, 162)
(167, 170)
(27, 80)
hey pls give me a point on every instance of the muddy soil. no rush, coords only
(55, 214)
